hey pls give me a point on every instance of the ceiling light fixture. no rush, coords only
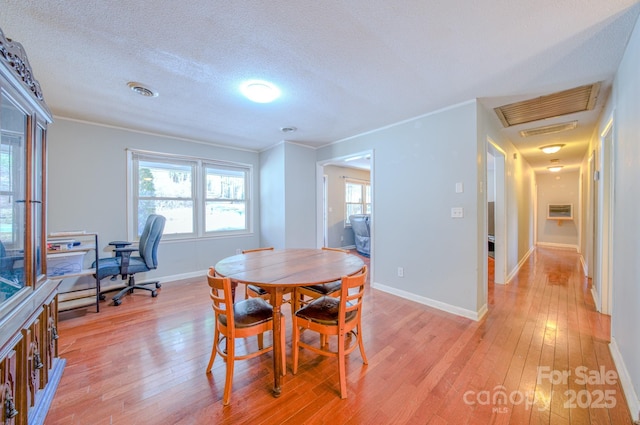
(260, 91)
(290, 129)
(555, 168)
(142, 89)
(551, 148)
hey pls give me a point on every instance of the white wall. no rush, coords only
(272, 201)
(86, 191)
(626, 234)
(558, 188)
(287, 197)
(491, 186)
(300, 196)
(417, 164)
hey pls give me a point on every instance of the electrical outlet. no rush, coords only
(457, 212)
(400, 271)
(238, 251)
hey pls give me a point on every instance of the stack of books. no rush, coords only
(61, 244)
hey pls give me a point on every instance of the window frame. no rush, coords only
(365, 184)
(198, 195)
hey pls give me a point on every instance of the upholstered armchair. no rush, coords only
(361, 232)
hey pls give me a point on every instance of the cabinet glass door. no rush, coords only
(38, 203)
(13, 124)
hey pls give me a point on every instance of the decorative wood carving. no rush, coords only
(8, 390)
(13, 54)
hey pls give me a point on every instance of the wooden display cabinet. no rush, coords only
(30, 367)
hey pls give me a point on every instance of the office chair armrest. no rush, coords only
(120, 244)
(125, 253)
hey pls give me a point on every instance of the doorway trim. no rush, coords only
(321, 192)
(500, 225)
(606, 201)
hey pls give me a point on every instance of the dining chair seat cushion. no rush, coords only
(249, 313)
(325, 288)
(324, 310)
(258, 290)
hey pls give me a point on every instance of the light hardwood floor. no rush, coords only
(144, 362)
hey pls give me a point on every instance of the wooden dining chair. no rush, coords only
(243, 319)
(330, 316)
(313, 292)
(253, 291)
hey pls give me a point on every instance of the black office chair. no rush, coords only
(127, 266)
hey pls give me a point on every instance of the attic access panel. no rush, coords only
(578, 99)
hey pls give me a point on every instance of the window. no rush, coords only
(357, 198)
(199, 198)
(226, 206)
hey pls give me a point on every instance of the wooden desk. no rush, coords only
(278, 270)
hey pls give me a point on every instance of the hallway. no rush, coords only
(552, 344)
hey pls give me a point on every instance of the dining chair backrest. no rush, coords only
(222, 298)
(252, 291)
(246, 251)
(351, 296)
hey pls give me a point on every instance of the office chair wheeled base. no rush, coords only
(129, 290)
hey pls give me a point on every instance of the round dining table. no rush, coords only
(277, 271)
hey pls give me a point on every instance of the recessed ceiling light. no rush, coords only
(555, 168)
(290, 129)
(551, 148)
(260, 91)
(142, 89)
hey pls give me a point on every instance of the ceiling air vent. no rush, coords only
(548, 129)
(141, 89)
(565, 102)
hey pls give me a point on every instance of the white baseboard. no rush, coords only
(584, 265)
(596, 299)
(469, 314)
(558, 245)
(167, 279)
(625, 381)
(515, 271)
(481, 313)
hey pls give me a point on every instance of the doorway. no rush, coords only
(332, 177)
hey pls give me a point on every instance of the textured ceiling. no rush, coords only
(344, 67)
